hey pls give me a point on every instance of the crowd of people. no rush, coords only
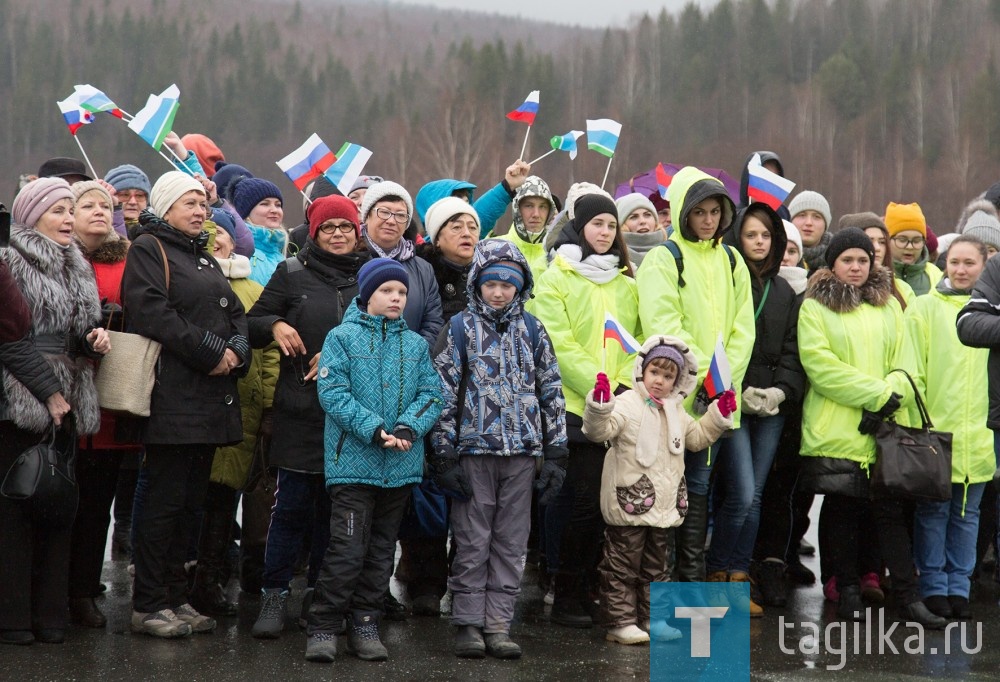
(416, 372)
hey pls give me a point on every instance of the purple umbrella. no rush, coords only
(645, 183)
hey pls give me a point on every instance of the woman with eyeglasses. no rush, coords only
(908, 245)
(305, 298)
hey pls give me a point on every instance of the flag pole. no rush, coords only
(532, 163)
(525, 145)
(172, 165)
(308, 200)
(179, 159)
(606, 171)
(85, 157)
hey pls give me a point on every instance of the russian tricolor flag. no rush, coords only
(663, 179)
(308, 162)
(720, 377)
(765, 186)
(75, 116)
(527, 111)
(347, 166)
(95, 101)
(614, 330)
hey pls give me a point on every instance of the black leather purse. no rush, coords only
(44, 476)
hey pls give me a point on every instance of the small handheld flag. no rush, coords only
(765, 186)
(614, 330)
(347, 166)
(156, 119)
(720, 377)
(75, 116)
(93, 100)
(567, 142)
(527, 111)
(663, 179)
(308, 162)
(602, 135)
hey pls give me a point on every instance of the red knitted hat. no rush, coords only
(333, 206)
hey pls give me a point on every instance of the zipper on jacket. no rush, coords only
(426, 407)
(340, 444)
(385, 326)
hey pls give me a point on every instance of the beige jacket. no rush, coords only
(633, 494)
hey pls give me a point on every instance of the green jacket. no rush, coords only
(572, 309)
(849, 339)
(953, 381)
(717, 296)
(922, 276)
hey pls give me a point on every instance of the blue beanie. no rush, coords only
(225, 220)
(502, 271)
(246, 193)
(225, 174)
(127, 176)
(377, 272)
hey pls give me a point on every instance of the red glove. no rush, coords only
(602, 389)
(727, 403)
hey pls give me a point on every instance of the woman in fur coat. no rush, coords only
(59, 287)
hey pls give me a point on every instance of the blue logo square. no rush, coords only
(699, 631)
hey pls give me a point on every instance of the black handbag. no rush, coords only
(912, 463)
(43, 476)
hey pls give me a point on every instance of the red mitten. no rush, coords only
(602, 389)
(727, 403)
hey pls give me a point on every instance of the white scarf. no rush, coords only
(598, 269)
(796, 276)
(234, 267)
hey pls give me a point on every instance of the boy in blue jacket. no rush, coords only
(381, 395)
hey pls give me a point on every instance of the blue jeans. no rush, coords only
(744, 461)
(944, 542)
(301, 505)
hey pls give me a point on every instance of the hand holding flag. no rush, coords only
(766, 186)
(720, 377)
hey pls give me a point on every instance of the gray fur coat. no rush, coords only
(61, 291)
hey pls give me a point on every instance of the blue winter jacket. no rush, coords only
(269, 250)
(490, 207)
(374, 373)
(514, 402)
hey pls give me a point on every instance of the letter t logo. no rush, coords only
(701, 626)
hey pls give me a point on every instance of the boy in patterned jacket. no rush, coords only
(503, 411)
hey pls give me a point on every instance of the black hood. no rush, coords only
(779, 239)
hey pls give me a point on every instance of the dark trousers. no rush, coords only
(894, 521)
(425, 563)
(633, 557)
(97, 479)
(573, 521)
(175, 478)
(34, 556)
(784, 513)
(301, 507)
(364, 524)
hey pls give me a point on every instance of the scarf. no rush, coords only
(234, 267)
(640, 244)
(598, 269)
(815, 256)
(795, 276)
(402, 251)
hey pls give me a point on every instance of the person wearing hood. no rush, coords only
(533, 209)
(810, 213)
(175, 293)
(772, 386)
(771, 162)
(700, 293)
(490, 207)
(642, 483)
(503, 411)
(641, 229)
(945, 533)
(259, 203)
(908, 246)
(850, 339)
(589, 277)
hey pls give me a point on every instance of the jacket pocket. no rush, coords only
(638, 498)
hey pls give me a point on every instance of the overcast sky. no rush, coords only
(590, 13)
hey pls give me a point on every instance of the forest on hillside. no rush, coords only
(866, 101)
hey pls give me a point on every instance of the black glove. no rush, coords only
(550, 480)
(871, 420)
(891, 405)
(451, 478)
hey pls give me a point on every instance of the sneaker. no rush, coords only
(662, 632)
(500, 645)
(627, 634)
(830, 590)
(271, 620)
(197, 621)
(771, 582)
(798, 574)
(469, 642)
(871, 590)
(162, 623)
(363, 639)
(321, 647)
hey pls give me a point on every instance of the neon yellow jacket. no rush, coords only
(716, 298)
(572, 309)
(533, 253)
(953, 381)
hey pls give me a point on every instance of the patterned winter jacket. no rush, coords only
(374, 373)
(513, 402)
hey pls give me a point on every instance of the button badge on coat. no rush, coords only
(223, 301)
(324, 372)
(228, 400)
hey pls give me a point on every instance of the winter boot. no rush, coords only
(771, 581)
(690, 540)
(321, 647)
(209, 594)
(500, 645)
(851, 606)
(749, 605)
(271, 620)
(469, 642)
(363, 639)
(568, 607)
(916, 611)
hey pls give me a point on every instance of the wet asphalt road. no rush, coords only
(420, 649)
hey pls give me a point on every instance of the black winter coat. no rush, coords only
(451, 281)
(313, 300)
(979, 327)
(196, 321)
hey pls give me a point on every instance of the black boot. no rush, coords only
(851, 606)
(690, 540)
(568, 608)
(208, 595)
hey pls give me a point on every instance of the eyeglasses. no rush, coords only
(343, 228)
(908, 242)
(401, 218)
(131, 195)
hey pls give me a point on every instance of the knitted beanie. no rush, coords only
(588, 207)
(246, 193)
(377, 272)
(381, 190)
(945, 240)
(206, 150)
(992, 194)
(502, 271)
(328, 208)
(226, 174)
(171, 186)
(849, 238)
(792, 233)
(932, 240)
(861, 221)
(664, 351)
(985, 227)
(225, 220)
(808, 200)
(365, 182)
(900, 217)
(628, 204)
(442, 210)
(127, 176)
(81, 188)
(36, 198)
(579, 190)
